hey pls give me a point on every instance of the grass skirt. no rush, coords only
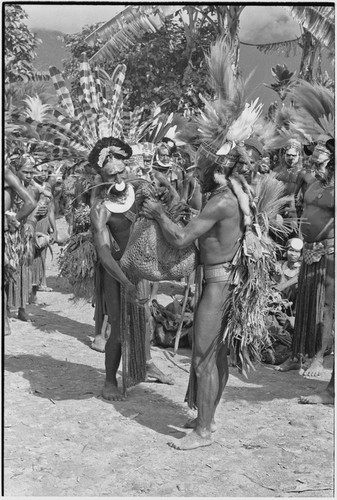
(307, 336)
(133, 326)
(19, 290)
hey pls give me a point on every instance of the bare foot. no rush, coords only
(98, 344)
(153, 372)
(110, 392)
(289, 364)
(191, 441)
(22, 315)
(191, 424)
(323, 398)
(315, 369)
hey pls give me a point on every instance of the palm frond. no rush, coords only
(127, 28)
(318, 20)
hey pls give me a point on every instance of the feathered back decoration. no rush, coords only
(81, 120)
(315, 111)
(35, 109)
(227, 119)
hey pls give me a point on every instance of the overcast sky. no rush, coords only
(259, 24)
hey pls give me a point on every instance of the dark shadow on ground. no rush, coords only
(59, 284)
(63, 380)
(47, 321)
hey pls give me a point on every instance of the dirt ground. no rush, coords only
(62, 439)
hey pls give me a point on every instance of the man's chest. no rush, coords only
(319, 196)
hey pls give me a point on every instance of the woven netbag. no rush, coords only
(149, 256)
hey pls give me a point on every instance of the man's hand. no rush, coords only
(41, 210)
(29, 230)
(152, 209)
(131, 295)
(164, 194)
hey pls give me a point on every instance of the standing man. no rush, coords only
(288, 172)
(219, 229)
(44, 226)
(12, 189)
(315, 298)
(112, 214)
(19, 292)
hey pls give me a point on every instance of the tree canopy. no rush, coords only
(20, 45)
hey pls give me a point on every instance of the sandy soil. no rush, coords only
(62, 439)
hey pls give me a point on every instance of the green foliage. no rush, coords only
(75, 44)
(283, 80)
(20, 44)
(162, 66)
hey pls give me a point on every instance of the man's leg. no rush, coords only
(316, 367)
(8, 330)
(326, 397)
(211, 365)
(111, 291)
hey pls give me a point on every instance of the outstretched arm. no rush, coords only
(182, 237)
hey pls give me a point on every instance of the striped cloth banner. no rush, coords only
(61, 90)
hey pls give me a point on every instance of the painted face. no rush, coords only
(42, 173)
(114, 173)
(264, 166)
(320, 159)
(291, 157)
(25, 174)
(293, 255)
(164, 155)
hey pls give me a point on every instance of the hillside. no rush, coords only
(51, 51)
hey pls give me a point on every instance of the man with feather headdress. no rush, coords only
(314, 310)
(225, 230)
(112, 214)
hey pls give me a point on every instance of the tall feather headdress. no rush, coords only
(227, 120)
(310, 119)
(78, 122)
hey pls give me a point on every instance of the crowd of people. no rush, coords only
(204, 203)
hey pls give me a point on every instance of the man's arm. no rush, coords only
(52, 219)
(99, 217)
(29, 203)
(182, 237)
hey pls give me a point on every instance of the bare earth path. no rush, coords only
(62, 439)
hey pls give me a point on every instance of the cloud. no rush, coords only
(267, 24)
(68, 18)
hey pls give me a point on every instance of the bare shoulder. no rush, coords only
(222, 205)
